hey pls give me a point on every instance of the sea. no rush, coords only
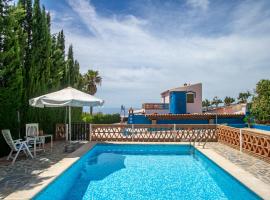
(107, 110)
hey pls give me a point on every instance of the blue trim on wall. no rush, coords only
(138, 119)
(183, 121)
(230, 121)
(261, 127)
(238, 125)
(142, 119)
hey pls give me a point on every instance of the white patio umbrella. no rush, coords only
(68, 97)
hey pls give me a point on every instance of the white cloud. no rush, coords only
(137, 64)
(202, 4)
(106, 27)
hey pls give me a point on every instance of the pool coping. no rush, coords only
(257, 186)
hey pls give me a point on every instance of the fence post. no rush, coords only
(85, 131)
(241, 140)
(174, 132)
(132, 132)
(90, 132)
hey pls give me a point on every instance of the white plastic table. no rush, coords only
(42, 137)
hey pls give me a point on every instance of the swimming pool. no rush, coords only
(124, 171)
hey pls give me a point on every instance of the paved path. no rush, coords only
(27, 170)
(259, 168)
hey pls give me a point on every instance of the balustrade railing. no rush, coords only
(244, 140)
(248, 141)
(153, 133)
(229, 136)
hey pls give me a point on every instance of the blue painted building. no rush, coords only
(181, 105)
(181, 100)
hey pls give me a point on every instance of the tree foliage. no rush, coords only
(206, 103)
(243, 97)
(216, 101)
(228, 101)
(32, 63)
(260, 107)
(100, 118)
(91, 80)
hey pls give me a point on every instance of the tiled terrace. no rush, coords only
(257, 167)
(26, 171)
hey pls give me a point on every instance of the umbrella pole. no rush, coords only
(69, 118)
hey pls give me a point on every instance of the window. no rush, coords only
(190, 98)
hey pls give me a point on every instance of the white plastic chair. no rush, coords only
(16, 146)
(32, 133)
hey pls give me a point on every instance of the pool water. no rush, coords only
(145, 172)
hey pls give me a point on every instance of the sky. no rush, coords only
(143, 47)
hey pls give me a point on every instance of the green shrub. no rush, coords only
(101, 118)
(260, 108)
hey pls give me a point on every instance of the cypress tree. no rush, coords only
(35, 66)
(45, 51)
(22, 3)
(11, 89)
(61, 41)
(32, 62)
(69, 67)
(73, 69)
(62, 65)
(58, 64)
(77, 76)
(25, 45)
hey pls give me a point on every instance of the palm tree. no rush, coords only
(91, 80)
(206, 103)
(228, 101)
(243, 97)
(216, 101)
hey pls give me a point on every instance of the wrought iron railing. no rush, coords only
(79, 131)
